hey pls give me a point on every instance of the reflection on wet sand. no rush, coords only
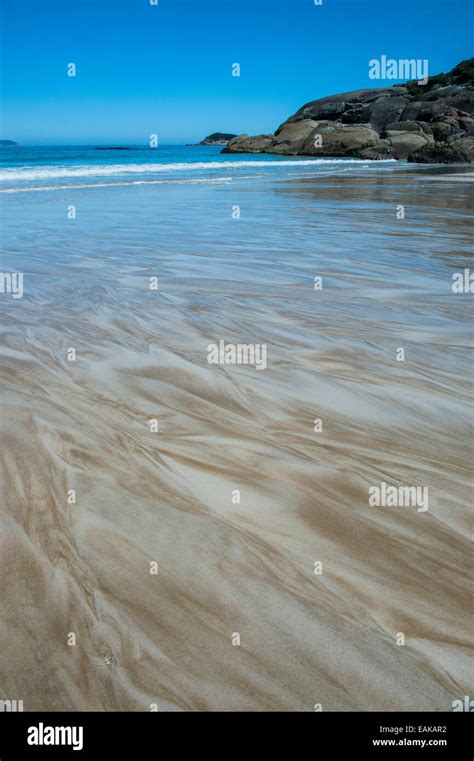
(240, 496)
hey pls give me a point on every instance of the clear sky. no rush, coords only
(167, 69)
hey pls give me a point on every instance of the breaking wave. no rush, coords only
(102, 170)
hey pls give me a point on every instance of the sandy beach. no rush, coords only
(239, 496)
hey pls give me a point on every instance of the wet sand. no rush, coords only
(227, 567)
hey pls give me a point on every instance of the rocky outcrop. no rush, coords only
(311, 138)
(246, 144)
(430, 123)
(458, 151)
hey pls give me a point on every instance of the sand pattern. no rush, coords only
(236, 497)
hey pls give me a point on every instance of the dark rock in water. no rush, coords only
(7, 143)
(112, 148)
(217, 138)
(407, 121)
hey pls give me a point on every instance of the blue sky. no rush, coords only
(166, 69)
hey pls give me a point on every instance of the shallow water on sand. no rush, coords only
(167, 496)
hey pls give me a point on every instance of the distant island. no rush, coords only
(430, 123)
(7, 143)
(217, 138)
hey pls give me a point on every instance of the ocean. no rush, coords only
(203, 527)
(65, 167)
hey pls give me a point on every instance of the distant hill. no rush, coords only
(7, 143)
(217, 138)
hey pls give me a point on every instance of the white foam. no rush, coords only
(79, 185)
(103, 170)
